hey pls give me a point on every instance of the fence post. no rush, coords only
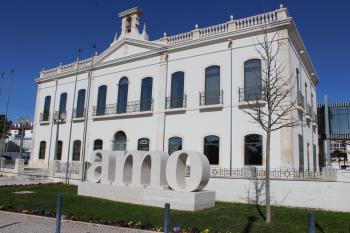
(166, 217)
(58, 213)
(312, 222)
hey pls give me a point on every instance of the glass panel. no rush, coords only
(120, 141)
(175, 144)
(177, 90)
(98, 144)
(143, 144)
(59, 150)
(76, 150)
(63, 102)
(101, 100)
(42, 150)
(146, 94)
(252, 80)
(212, 85)
(253, 149)
(122, 95)
(46, 112)
(211, 148)
(80, 103)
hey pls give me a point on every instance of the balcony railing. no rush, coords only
(300, 100)
(130, 107)
(211, 98)
(78, 113)
(247, 94)
(175, 102)
(44, 117)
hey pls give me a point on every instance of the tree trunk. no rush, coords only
(267, 182)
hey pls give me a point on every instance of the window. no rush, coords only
(122, 95)
(177, 90)
(175, 144)
(146, 94)
(253, 149)
(298, 79)
(59, 146)
(305, 96)
(46, 112)
(314, 157)
(101, 100)
(80, 103)
(211, 148)
(212, 85)
(301, 152)
(143, 144)
(76, 150)
(63, 102)
(252, 80)
(42, 149)
(119, 141)
(98, 144)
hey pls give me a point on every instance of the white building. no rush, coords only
(18, 133)
(183, 91)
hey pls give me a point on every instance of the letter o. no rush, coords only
(93, 173)
(176, 169)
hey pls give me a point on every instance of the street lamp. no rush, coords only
(23, 122)
(59, 117)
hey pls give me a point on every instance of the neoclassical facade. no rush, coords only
(186, 91)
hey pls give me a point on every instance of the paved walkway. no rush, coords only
(22, 223)
(4, 181)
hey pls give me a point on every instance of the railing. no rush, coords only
(250, 94)
(300, 99)
(256, 20)
(214, 30)
(175, 102)
(211, 97)
(66, 68)
(78, 113)
(73, 167)
(130, 107)
(180, 38)
(44, 117)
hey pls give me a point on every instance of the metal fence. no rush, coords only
(130, 107)
(211, 97)
(175, 102)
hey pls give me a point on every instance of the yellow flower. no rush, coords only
(206, 230)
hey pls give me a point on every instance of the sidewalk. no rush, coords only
(22, 223)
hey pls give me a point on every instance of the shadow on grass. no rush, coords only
(251, 221)
(318, 226)
(261, 213)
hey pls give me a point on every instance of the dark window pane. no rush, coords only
(59, 146)
(175, 144)
(177, 90)
(42, 150)
(212, 85)
(146, 94)
(252, 80)
(143, 144)
(120, 141)
(301, 152)
(211, 148)
(76, 150)
(63, 102)
(253, 149)
(46, 112)
(122, 95)
(98, 144)
(101, 100)
(80, 103)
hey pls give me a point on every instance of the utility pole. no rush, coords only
(6, 112)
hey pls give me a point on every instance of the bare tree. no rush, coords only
(271, 105)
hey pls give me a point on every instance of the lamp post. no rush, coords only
(23, 122)
(59, 118)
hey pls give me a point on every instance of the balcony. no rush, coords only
(78, 114)
(44, 117)
(131, 108)
(211, 99)
(175, 103)
(251, 97)
(309, 112)
(300, 102)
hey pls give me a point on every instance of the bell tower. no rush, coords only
(130, 22)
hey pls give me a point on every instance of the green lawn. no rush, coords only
(224, 217)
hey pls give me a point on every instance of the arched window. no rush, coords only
(211, 148)
(80, 103)
(177, 90)
(63, 102)
(119, 141)
(59, 146)
(212, 85)
(253, 149)
(42, 150)
(101, 100)
(143, 144)
(146, 94)
(175, 144)
(98, 144)
(76, 150)
(252, 80)
(122, 95)
(46, 112)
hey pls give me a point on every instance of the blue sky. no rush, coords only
(38, 33)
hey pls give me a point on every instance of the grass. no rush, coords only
(224, 217)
